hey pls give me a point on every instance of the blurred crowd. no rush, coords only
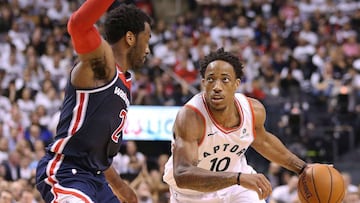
(301, 57)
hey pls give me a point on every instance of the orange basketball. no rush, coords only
(321, 183)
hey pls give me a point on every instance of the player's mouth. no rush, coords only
(217, 98)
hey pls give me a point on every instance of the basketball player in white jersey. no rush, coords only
(211, 135)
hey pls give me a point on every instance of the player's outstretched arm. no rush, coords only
(95, 55)
(269, 146)
(119, 187)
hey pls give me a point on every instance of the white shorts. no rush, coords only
(231, 194)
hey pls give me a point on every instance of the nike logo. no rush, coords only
(211, 134)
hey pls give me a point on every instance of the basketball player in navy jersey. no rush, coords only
(77, 166)
(211, 135)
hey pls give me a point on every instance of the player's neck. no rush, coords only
(228, 117)
(121, 59)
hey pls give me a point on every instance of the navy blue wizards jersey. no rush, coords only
(91, 123)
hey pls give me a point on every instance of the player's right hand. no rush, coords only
(257, 182)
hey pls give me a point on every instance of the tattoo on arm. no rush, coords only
(296, 165)
(98, 65)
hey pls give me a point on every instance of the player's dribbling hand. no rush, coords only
(256, 182)
(311, 165)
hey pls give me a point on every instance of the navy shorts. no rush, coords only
(59, 180)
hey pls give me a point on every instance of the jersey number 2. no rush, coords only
(116, 134)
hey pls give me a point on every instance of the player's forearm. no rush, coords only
(119, 187)
(89, 12)
(84, 36)
(124, 193)
(203, 180)
(274, 150)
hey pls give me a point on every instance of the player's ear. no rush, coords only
(202, 83)
(237, 82)
(130, 38)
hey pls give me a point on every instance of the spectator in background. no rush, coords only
(355, 83)
(13, 67)
(143, 192)
(17, 187)
(26, 171)
(37, 132)
(27, 196)
(6, 20)
(350, 187)
(274, 174)
(10, 169)
(285, 193)
(345, 32)
(6, 196)
(48, 97)
(242, 32)
(15, 122)
(219, 32)
(133, 160)
(184, 66)
(59, 12)
(352, 198)
(351, 47)
(26, 102)
(4, 148)
(5, 107)
(39, 151)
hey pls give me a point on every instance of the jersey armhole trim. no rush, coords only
(253, 117)
(204, 120)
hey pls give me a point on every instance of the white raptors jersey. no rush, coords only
(221, 149)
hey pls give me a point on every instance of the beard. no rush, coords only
(134, 58)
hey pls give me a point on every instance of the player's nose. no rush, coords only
(147, 50)
(217, 86)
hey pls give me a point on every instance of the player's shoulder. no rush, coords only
(189, 115)
(257, 108)
(189, 112)
(255, 103)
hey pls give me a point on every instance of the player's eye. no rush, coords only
(209, 79)
(226, 79)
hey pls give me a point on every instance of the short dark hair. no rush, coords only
(222, 55)
(122, 19)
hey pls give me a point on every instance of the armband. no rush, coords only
(238, 178)
(302, 168)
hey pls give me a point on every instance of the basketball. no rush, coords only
(321, 183)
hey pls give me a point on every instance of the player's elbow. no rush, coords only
(71, 25)
(133, 199)
(75, 25)
(182, 176)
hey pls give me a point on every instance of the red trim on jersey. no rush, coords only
(58, 145)
(202, 117)
(123, 78)
(76, 122)
(54, 163)
(78, 114)
(58, 190)
(221, 128)
(52, 169)
(253, 116)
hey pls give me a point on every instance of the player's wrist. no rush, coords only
(302, 169)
